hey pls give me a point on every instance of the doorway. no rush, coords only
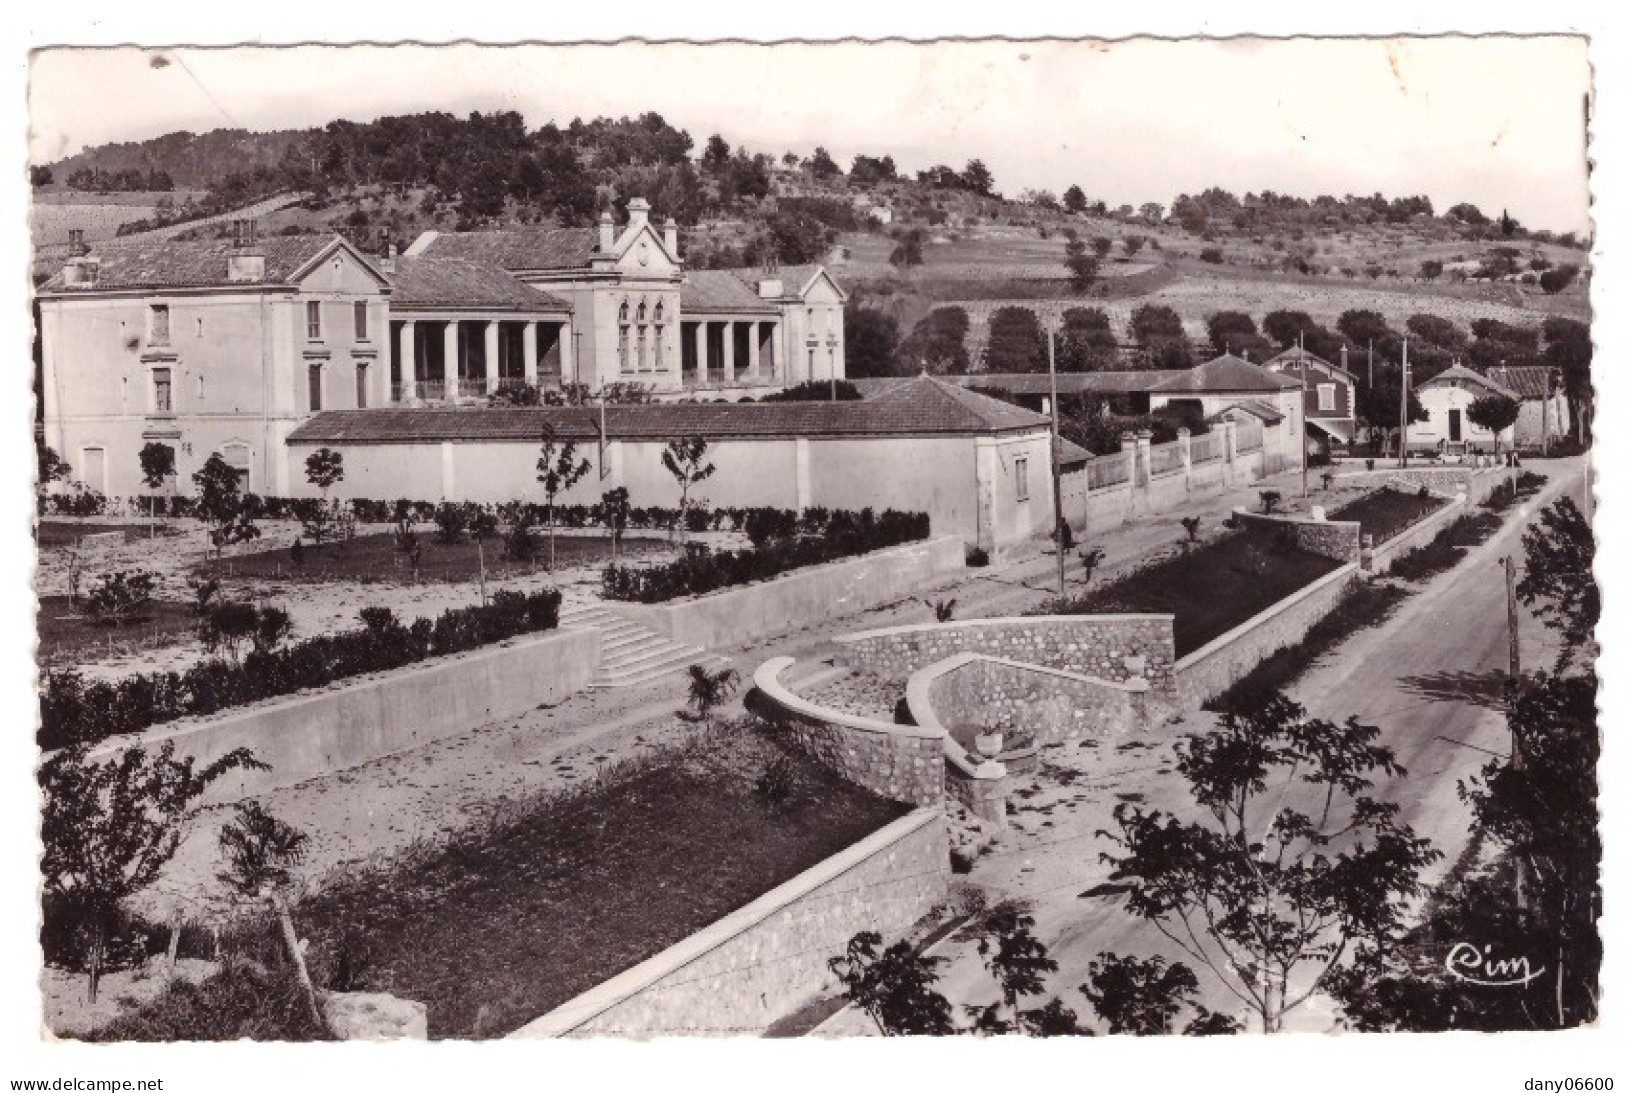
(1455, 426)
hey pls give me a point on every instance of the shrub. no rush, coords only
(72, 710)
(700, 571)
(451, 520)
(975, 557)
(121, 597)
(1270, 498)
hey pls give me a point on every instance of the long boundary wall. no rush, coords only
(315, 733)
(1210, 670)
(770, 957)
(1335, 539)
(1380, 558)
(799, 598)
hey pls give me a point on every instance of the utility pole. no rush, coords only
(1514, 665)
(1055, 471)
(1404, 396)
(1369, 370)
(1303, 419)
(1545, 399)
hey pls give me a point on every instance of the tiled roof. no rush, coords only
(1293, 354)
(1263, 411)
(1226, 373)
(1073, 455)
(515, 249)
(1068, 383)
(922, 407)
(1526, 380)
(434, 281)
(1466, 375)
(715, 290)
(794, 278)
(196, 263)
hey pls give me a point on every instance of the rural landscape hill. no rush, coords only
(903, 245)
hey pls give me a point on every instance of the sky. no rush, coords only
(1494, 121)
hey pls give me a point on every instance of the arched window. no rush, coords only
(626, 311)
(660, 335)
(643, 312)
(626, 336)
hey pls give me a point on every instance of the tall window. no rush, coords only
(160, 324)
(360, 320)
(315, 376)
(163, 393)
(643, 337)
(1328, 396)
(313, 320)
(660, 336)
(1021, 478)
(361, 385)
(626, 336)
(812, 360)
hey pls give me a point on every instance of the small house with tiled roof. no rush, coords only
(1328, 389)
(1543, 412)
(1229, 381)
(1447, 428)
(980, 467)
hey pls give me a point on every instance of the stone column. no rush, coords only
(1227, 430)
(1131, 459)
(779, 351)
(530, 351)
(728, 353)
(568, 365)
(755, 329)
(1185, 454)
(452, 360)
(702, 352)
(492, 333)
(409, 361)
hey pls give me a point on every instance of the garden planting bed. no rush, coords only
(1384, 513)
(67, 633)
(374, 558)
(1210, 589)
(515, 916)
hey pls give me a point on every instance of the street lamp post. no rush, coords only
(1055, 470)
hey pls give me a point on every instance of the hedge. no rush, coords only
(817, 536)
(73, 711)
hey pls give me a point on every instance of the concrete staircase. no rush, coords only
(634, 654)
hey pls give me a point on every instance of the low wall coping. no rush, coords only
(1291, 518)
(640, 977)
(182, 727)
(766, 680)
(1027, 621)
(1190, 660)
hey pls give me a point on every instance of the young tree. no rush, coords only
(617, 511)
(260, 852)
(482, 525)
(871, 342)
(1016, 341)
(157, 468)
(1018, 963)
(1074, 199)
(708, 690)
(557, 470)
(108, 828)
(909, 250)
(324, 469)
(894, 986)
(1142, 997)
(1496, 413)
(221, 504)
(685, 461)
(1559, 579)
(1296, 864)
(1083, 266)
(51, 466)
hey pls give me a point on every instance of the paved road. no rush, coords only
(1430, 678)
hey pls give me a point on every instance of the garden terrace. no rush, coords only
(377, 558)
(67, 634)
(73, 711)
(1384, 513)
(1210, 589)
(508, 920)
(778, 550)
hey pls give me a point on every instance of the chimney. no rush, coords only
(76, 243)
(387, 262)
(637, 211)
(671, 236)
(606, 232)
(81, 272)
(246, 263)
(1344, 358)
(236, 234)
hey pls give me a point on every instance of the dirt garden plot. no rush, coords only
(1210, 589)
(511, 918)
(1384, 513)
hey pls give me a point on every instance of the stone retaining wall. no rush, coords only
(1443, 481)
(799, 598)
(972, 693)
(1380, 558)
(1335, 539)
(901, 762)
(1088, 645)
(770, 957)
(1210, 670)
(317, 732)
